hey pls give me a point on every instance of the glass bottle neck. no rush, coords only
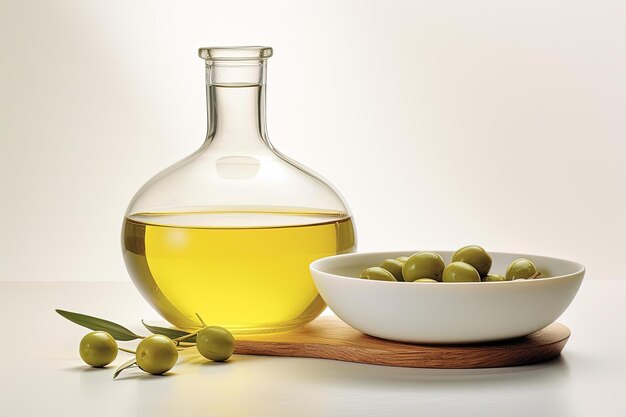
(236, 105)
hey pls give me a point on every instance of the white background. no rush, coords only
(443, 123)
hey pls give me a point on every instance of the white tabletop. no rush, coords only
(43, 374)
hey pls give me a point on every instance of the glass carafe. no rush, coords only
(228, 233)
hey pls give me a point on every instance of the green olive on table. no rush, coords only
(394, 266)
(98, 349)
(425, 280)
(423, 265)
(493, 278)
(215, 343)
(460, 272)
(475, 256)
(520, 268)
(156, 354)
(377, 273)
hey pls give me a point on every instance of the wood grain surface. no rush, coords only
(331, 338)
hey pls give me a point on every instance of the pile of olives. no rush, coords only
(157, 353)
(469, 264)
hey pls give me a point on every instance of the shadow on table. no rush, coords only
(540, 389)
(87, 368)
(336, 372)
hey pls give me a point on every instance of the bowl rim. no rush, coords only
(314, 267)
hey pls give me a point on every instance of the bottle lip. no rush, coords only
(235, 53)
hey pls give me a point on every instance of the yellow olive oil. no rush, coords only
(247, 271)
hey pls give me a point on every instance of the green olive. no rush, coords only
(475, 256)
(423, 265)
(394, 266)
(156, 354)
(402, 259)
(377, 273)
(460, 272)
(215, 343)
(425, 280)
(493, 278)
(520, 268)
(98, 349)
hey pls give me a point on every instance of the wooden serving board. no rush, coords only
(331, 338)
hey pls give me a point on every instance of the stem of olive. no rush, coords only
(127, 350)
(187, 336)
(184, 344)
(201, 321)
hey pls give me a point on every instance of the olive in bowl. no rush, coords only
(446, 312)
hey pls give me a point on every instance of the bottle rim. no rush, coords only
(235, 53)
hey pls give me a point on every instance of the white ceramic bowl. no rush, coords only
(467, 312)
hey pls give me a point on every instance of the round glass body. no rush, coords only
(228, 233)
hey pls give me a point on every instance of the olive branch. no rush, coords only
(182, 339)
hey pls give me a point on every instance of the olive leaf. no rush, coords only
(125, 365)
(171, 333)
(118, 332)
